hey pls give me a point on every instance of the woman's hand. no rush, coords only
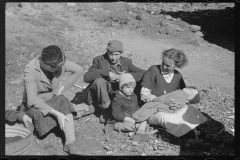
(61, 89)
(112, 76)
(26, 119)
(60, 117)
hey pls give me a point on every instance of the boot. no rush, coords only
(71, 149)
(84, 110)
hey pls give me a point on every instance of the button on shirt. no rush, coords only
(115, 68)
(123, 106)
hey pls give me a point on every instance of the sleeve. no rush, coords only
(136, 72)
(30, 83)
(12, 115)
(148, 79)
(94, 72)
(116, 110)
(181, 83)
(146, 95)
(76, 71)
(46, 96)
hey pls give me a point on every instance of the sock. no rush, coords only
(69, 129)
(142, 127)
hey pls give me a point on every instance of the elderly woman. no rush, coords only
(42, 99)
(163, 79)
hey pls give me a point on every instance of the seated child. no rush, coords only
(124, 104)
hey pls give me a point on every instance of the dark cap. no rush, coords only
(52, 55)
(115, 46)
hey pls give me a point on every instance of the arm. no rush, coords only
(12, 115)
(148, 80)
(76, 71)
(136, 72)
(94, 72)
(181, 82)
(30, 82)
(146, 95)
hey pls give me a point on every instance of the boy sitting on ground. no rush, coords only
(124, 104)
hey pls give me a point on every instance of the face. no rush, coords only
(128, 89)
(114, 57)
(168, 65)
(49, 68)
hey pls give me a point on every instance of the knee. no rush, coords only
(34, 113)
(99, 82)
(105, 105)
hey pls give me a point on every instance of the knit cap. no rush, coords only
(115, 46)
(126, 78)
(52, 55)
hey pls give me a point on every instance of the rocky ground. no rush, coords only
(83, 30)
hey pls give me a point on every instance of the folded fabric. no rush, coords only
(148, 109)
(176, 98)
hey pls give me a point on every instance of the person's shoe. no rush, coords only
(197, 144)
(72, 149)
(83, 110)
(109, 128)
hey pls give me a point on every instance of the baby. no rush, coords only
(179, 98)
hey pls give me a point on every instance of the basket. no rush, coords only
(21, 146)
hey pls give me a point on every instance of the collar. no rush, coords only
(120, 95)
(37, 65)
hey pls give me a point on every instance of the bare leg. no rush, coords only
(69, 129)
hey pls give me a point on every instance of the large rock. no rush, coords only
(170, 28)
(195, 28)
(199, 34)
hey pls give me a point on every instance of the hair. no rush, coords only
(53, 55)
(127, 84)
(177, 56)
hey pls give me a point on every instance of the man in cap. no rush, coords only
(42, 99)
(103, 77)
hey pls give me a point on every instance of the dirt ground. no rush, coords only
(33, 26)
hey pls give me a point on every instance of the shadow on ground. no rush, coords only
(216, 25)
(78, 98)
(222, 143)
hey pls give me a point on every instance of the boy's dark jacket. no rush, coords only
(100, 69)
(123, 107)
